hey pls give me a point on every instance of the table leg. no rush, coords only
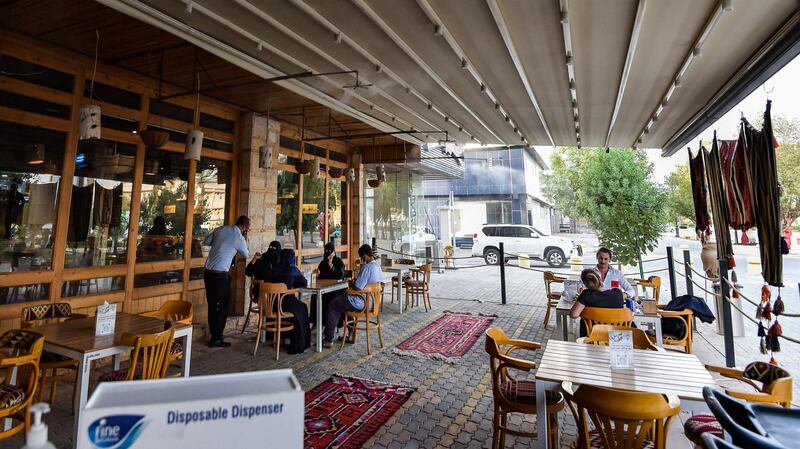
(186, 360)
(659, 337)
(400, 282)
(565, 327)
(84, 369)
(116, 359)
(560, 325)
(319, 321)
(541, 414)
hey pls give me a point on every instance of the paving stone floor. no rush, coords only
(452, 407)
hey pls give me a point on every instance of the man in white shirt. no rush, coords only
(370, 273)
(609, 274)
(225, 242)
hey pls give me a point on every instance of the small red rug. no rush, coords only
(344, 412)
(448, 338)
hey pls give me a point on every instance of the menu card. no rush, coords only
(621, 344)
(106, 319)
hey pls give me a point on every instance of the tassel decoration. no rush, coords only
(762, 331)
(759, 310)
(762, 344)
(773, 361)
(776, 330)
(766, 312)
(765, 293)
(778, 308)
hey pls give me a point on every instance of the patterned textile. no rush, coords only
(10, 396)
(19, 339)
(344, 412)
(524, 392)
(115, 376)
(44, 311)
(719, 206)
(176, 349)
(448, 338)
(697, 425)
(764, 372)
(699, 193)
(596, 442)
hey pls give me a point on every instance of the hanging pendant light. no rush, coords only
(90, 122)
(351, 174)
(335, 172)
(381, 173)
(154, 138)
(265, 156)
(315, 169)
(151, 167)
(374, 183)
(34, 153)
(194, 138)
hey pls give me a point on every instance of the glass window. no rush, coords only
(101, 204)
(210, 200)
(311, 259)
(314, 213)
(498, 212)
(23, 293)
(391, 214)
(162, 278)
(490, 231)
(337, 208)
(30, 165)
(286, 209)
(93, 286)
(163, 207)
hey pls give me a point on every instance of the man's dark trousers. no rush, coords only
(218, 295)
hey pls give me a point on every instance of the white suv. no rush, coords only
(522, 239)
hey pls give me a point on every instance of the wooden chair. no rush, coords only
(622, 419)
(770, 384)
(513, 395)
(592, 316)
(149, 357)
(54, 368)
(22, 352)
(271, 317)
(253, 306)
(552, 296)
(654, 283)
(686, 316)
(449, 253)
(599, 336)
(419, 286)
(174, 311)
(370, 317)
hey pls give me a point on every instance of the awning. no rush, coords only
(597, 73)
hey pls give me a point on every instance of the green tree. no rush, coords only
(679, 194)
(787, 131)
(560, 184)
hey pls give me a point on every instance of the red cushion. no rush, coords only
(596, 442)
(10, 395)
(524, 391)
(697, 425)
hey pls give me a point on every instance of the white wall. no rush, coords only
(473, 215)
(541, 216)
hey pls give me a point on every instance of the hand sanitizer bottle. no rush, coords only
(36, 438)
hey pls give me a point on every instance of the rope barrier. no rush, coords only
(414, 256)
(734, 288)
(698, 273)
(756, 322)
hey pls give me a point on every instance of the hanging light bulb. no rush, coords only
(34, 153)
(265, 157)
(381, 173)
(90, 122)
(194, 144)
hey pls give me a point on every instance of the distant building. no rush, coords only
(500, 185)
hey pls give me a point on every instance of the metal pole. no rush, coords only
(687, 260)
(502, 263)
(374, 244)
(727, 319)
(671, 270)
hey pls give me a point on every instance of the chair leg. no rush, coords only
(547, 314)
(53, 388)
(246, 319)
(503, 425)
(258, 333)
(74, 393)
(428, 296)
(380, 335)
(392, 294)
(496, 429)
(553, 436)
(424, 300)
(277, 334)
(344, 334)
(369, 347)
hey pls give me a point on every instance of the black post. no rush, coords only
(671, 270)
(374, 245)
(502, 262)
(727, 319)
(687, 260)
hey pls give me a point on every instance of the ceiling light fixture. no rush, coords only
(260, 46)
(727, 5)
(437, 30)
(378, 68)
(572, 85)
(564, 16)
(337, 38)
(189, 7)
(483, 87)
(677, 82)
(464, 63)
(430, 106)
(697, 52)
(569, 59)
(496, 105)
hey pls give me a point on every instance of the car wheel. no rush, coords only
(491, 256)
(555, 258)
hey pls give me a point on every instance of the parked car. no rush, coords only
(410, 242)
(522, 239)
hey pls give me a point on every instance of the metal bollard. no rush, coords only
(671, 273)
(687, 261)
(502, 263)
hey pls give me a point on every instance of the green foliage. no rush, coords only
(787, 131)
(560, 184)
(172, 193)
(679, 194)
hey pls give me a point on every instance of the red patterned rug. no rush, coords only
(447, 338)
(344, 412)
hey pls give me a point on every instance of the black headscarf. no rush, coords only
(286, 271)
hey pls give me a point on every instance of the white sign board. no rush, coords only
(262, 409)
(621, 344)
(105, 319)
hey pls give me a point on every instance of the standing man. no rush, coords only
(225, 242)
(610, 275)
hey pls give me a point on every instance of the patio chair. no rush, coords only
(419, 286)
(622, 419)
(253, 306)
(271, 317)
(54, 368)
(686, 318)
(512, 395)
(770, 384)
(738, 420)
(174, 311)
(654, 283)
(552, 296)
(599, 336)
(24, 350)
(449, 252)
(370, 317)
(712, 442)
(149, 357)
(593, 316)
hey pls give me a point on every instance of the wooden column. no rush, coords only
(136, 208)
(187, 229)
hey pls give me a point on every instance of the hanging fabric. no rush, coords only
(719, 210)
(763, 175)
(80, 213)
(697, 172)
(736, 184)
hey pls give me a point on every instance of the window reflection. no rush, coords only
(163, 207)
(101, 204)
(286, 209)
(337, 208)
(162, 278)
(93, 286)
(211, 200)
(314, 216)
(30, 165)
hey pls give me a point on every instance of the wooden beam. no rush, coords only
(96, 299)
(35, 91)
(157, 290)
(33, 119)
(158, 266)
(26, 278)
(79, 273)
(135, 213)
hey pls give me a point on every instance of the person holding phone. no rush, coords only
(610, 277)
(331, 267)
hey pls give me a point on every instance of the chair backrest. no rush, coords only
(26, 347)
(623, 418)
(500, 360)
(374, 297)
(177, 311)
(551, 278)
(653, 282)
(448, 251)
(150, 355)
(736, 418)
(426, 272)
(600, 315)
(270, 299)
(599, 336)
(775, 381)
(41, 314)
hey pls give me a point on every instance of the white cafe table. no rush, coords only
(319, 287)
(400, 271)
(75, 339)
(653, 371)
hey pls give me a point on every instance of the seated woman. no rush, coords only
(286, 272)
(262, 264)
(331, 267)
(595, 296)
